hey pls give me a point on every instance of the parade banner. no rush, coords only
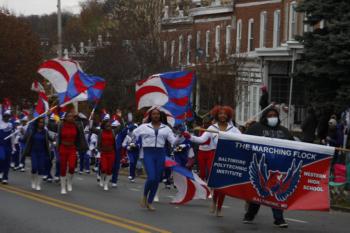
(278, 173)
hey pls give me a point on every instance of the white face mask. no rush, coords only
(272, 121)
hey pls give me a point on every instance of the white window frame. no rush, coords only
(165, 48)
(293, 21)
(198, 40)
(188, 55)
(217, 42)
(239, 36)
(181, 42)
(263, 29)
(207, 43)
(277, 28)
(172, 52)
(228, 39)
(250, 35)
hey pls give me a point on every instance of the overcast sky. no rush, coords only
(39, 7)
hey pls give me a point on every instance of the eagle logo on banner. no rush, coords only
(280, 185)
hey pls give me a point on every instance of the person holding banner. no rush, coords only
(153, 135)
(37, 146)
(223, 116)
(269, 126)
(70, 139)
(133, 152)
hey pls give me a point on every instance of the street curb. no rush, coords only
(340, 208)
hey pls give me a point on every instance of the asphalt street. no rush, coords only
(89, 209)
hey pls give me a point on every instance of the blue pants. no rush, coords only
(15, 156)
(23, 158)
(49, 166)
(133, 157)
(116, 167)
(84, 161)
(39, 163)
(153, 160)
(5, 162)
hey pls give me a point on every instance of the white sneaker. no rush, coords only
(132, 180)
(63, 185)
(156, 197)
(22, 169)
(114, 185)
(70, 183)
(106, 183)
(130, 177)
(33, 181)
(38, 183)
(102, 180)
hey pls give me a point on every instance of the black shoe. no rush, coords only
(281, 223)
(248, 220)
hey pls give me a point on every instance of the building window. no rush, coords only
(277, 29)
(263, 29)
(188, 55)
(172, 52)
(292, 21)
(165, 48)
(217, 42)
(228, 39)
(239, 36)
(181, 43)
(251, 35)
(198, 40)
(207, 43)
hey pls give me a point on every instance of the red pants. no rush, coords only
(205, 160)
(107, 162)
(68, 158)
(218, 198)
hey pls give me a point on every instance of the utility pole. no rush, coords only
(59, 28)
(291, 91)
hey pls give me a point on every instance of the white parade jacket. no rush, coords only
(150, 138)
(214, 137)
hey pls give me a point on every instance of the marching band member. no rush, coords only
(223, 116)
(107, 148)
(38, 148)
(6, 129)
(153, 135)
(16, 145)
(133, 152)
(22, 131)
(70, 139)
(120, 137)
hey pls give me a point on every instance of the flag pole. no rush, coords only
(93, 111)
(32, 120)
(217, 132)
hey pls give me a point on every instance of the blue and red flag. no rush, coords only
(171, 90)
(42, 105)
(188, 184)
(70, 82)
(278, 173)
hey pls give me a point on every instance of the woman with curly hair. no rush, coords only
(223, 118)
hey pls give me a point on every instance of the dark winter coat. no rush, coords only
(309, 127)
(261, 128)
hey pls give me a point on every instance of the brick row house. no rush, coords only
(236, 46)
